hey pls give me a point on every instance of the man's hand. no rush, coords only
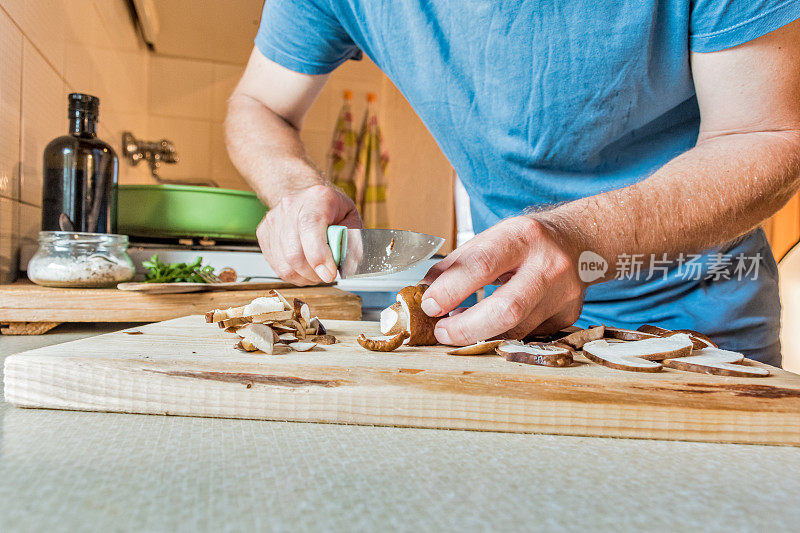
(540, 289)
(293, 235)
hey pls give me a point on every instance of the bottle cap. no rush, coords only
(83, 104)
(348, 94)
(372, 97)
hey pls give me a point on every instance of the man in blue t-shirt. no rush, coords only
(619, 155)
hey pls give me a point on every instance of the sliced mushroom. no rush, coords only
(259, 335)
(382, 343)
(696, 335)
(717, 362)
(246, 345)
(299, 330)
(287, 338)
(302, 346)
(653, 330)
(628, 334)
(657, 348)
(479, 348)
(323, 339)
(393, 319)
(420, 325)
(297, 304)
(218, 315)
(315, 323)
(274, 316)
(282, 298)
(699, 341)
(536, 354)
(577, 339)
(263, 305)
(281, 328)
(305, 314)
(619, 355)
(227, 275)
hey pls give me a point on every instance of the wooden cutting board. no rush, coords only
(187, 367)
(24, 302)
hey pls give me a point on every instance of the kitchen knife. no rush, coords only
(375, 252)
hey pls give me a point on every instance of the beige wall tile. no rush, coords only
(323, 112)
(117, 77)
(30, 222)
(10, 82)
(119, 24)
(42, 21)
(222, 170)
(317, 144)
(192, 139)
(44, 117)
(112, 125)
(9, 242)
(225, 79)
(102, 24)
(180, 87)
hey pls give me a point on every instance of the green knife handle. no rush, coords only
(337, 241)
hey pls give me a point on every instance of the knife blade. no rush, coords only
(375, 252)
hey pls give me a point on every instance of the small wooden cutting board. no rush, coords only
(187, 367)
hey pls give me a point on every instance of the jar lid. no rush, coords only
(65, 237)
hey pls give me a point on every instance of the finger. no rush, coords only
(508, 306)
(470, 271)
(352, 220)
(313, 234)
(563, 318)
(436, 270)
(289, 252)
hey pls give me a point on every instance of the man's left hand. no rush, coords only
(540, 288)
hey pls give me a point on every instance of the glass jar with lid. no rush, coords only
(70, 259)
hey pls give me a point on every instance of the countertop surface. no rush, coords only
(66, 471)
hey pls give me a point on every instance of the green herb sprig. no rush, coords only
(160, 272)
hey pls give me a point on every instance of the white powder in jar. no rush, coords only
(82, 271)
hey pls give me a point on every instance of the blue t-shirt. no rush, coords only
(546, 101)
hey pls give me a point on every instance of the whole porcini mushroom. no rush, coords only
(407, 315)
(420, 325)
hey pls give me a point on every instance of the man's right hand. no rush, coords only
(293, 235)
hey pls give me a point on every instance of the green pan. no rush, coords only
(188, 211)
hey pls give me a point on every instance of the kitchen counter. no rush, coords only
(63, 471)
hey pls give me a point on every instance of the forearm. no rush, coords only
(267, 150)
(720, 189)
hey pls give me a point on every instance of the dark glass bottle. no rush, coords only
(79, 192)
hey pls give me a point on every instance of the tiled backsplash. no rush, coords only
(49, 48)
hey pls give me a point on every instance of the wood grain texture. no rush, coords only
(187, 367)
(175, 288)
(26, 328)
(26, 302)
